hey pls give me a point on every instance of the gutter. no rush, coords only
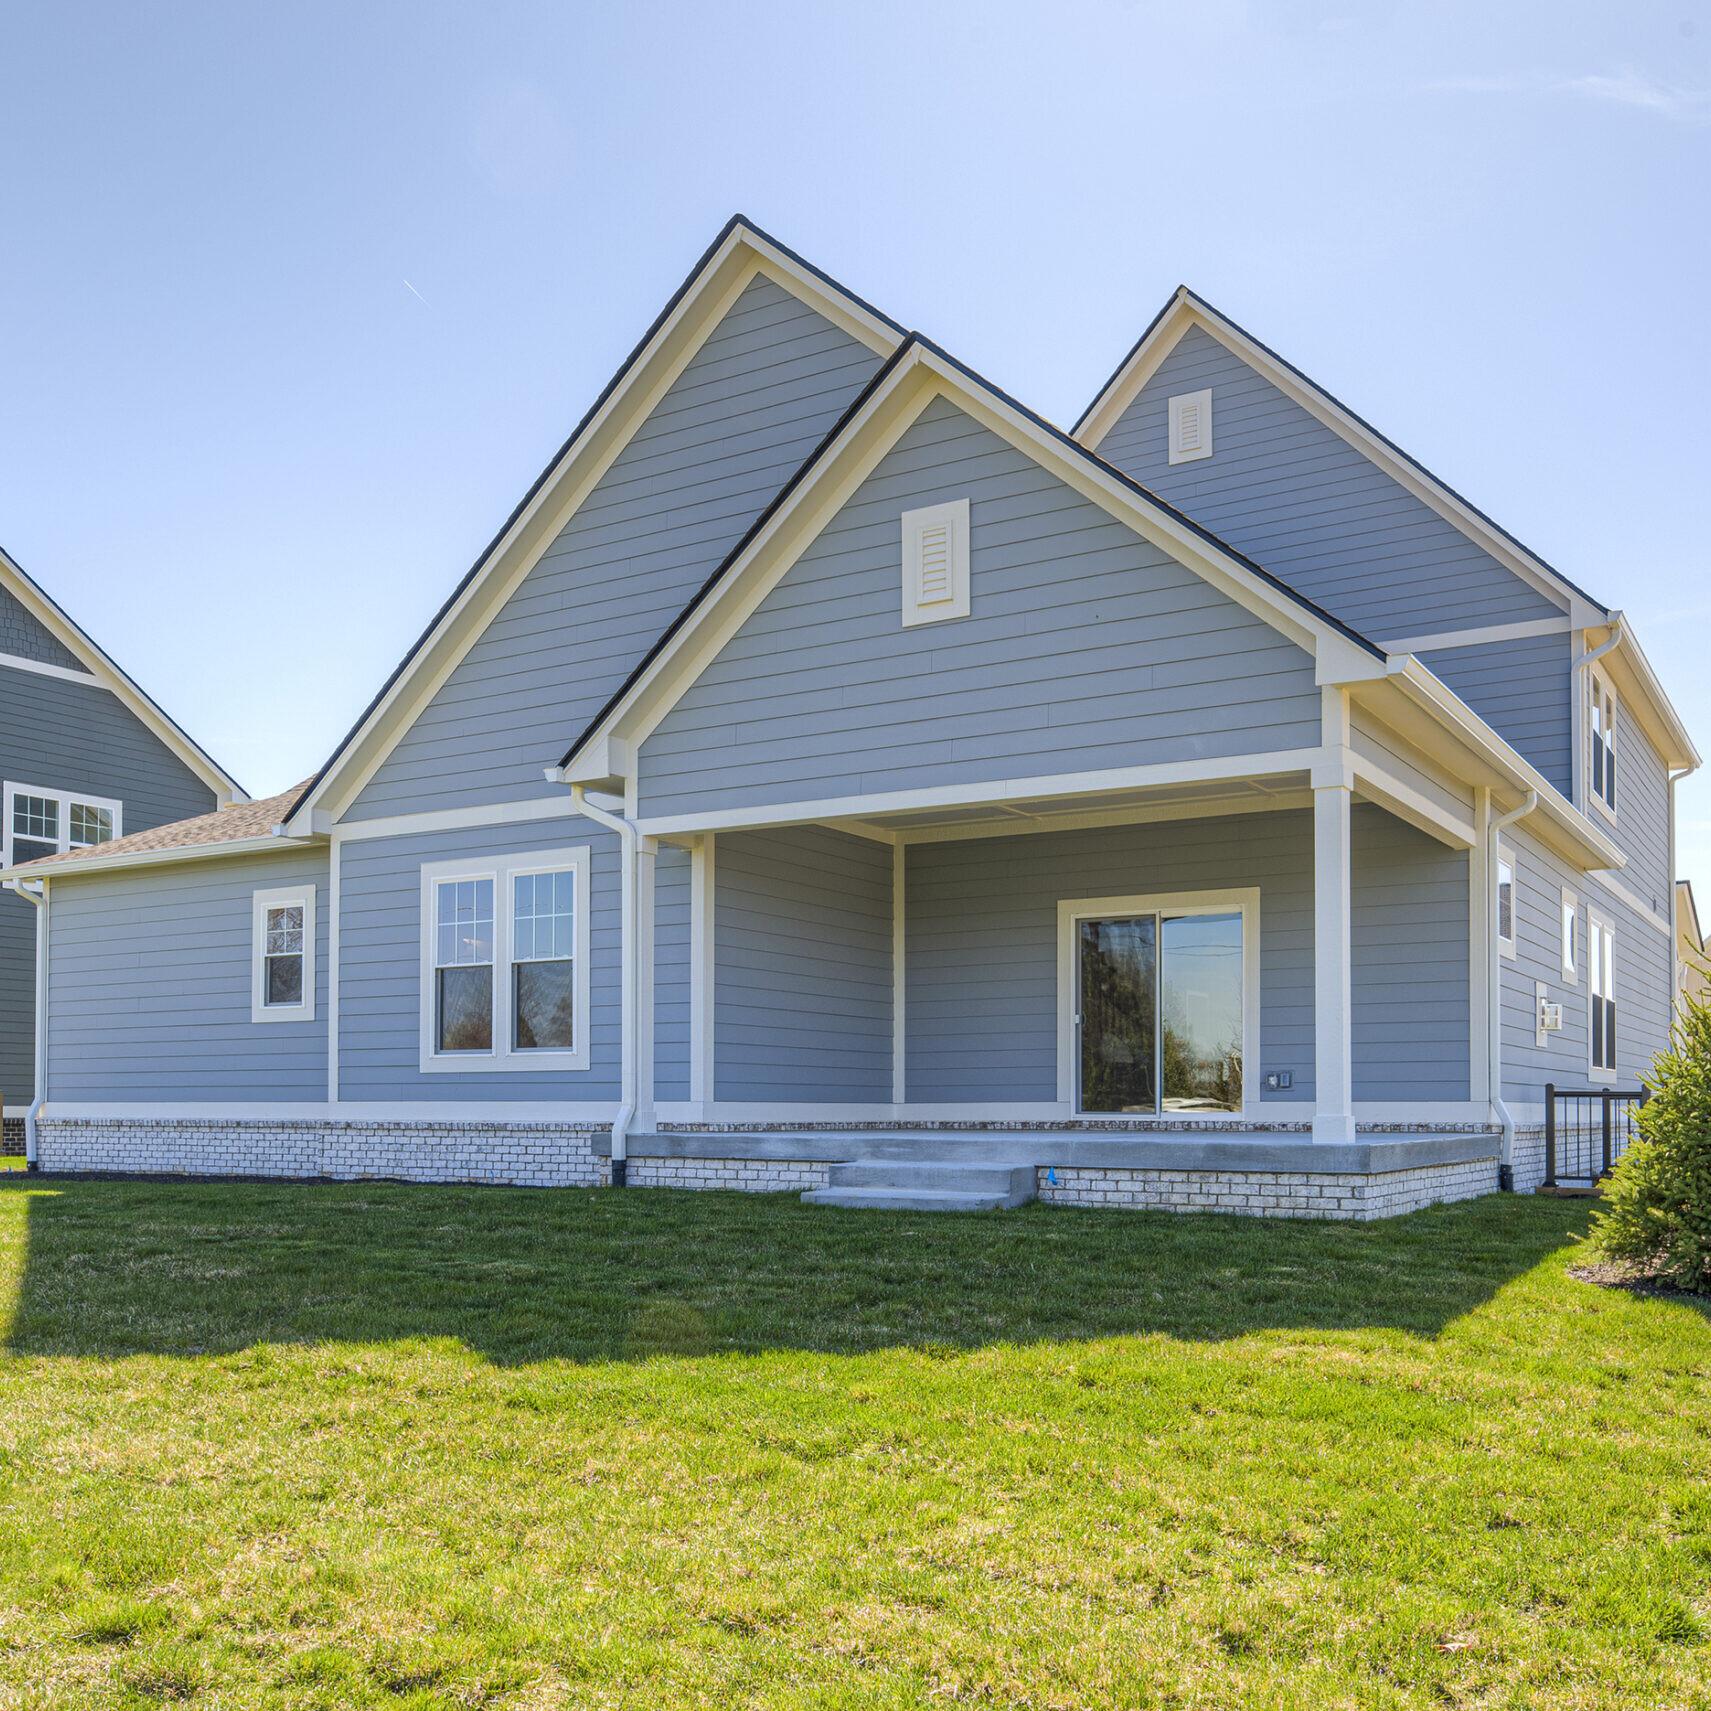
(259, 844)
(1494, 990)
(38, 895)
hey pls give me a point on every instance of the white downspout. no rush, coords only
(628, 1025)
(1579, 773)
(1494, 986)
(38, 895)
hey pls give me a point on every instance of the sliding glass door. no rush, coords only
(1159, 1012)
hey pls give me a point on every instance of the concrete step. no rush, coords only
(909, 1185)
(909, 1199)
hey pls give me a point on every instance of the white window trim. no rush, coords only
(279, 897)
(1174, 410)
(1569, 927)
(1607, 928)
(953, 516)
(1609, 690)
(1072, 910)
(1506, 946)
(64, 798)
(504, 1056)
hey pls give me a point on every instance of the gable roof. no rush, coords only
(736, 256)
(917, 371)
(102, 669)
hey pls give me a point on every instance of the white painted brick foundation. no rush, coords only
(534, 1155)
(1272, 1194)
(750, 1175)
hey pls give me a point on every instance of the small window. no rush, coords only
(1603, 729)
(1191, 426)
(1506, 902)
(935, 563)
(1570, 921)
(505, 963)
(282, 976)
(1601, 985)
(49, 822)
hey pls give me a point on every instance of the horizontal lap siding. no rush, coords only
(1298, 499)
(981, 932)
(671, 972)
(1642, 816)
(380, 966)
(802, 935)
(1085, 648)
(747, 410)
(72, 737)
(151, 986)
(1521, 690)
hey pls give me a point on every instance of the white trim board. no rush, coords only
(41, 668)
(558, 807)
(1480, 637)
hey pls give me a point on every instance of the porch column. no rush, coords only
(1333, 1057)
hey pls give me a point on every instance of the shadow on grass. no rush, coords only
(115, 1268)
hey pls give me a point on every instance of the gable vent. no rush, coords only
(1191, 426)
(935, 563)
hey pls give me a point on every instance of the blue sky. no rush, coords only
(295, 302)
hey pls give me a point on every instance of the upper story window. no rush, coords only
(505, 975)
(1603, 731)
(282, 954)
(49, 822)
(935, 563)
(1506, 902)
(1191, 426)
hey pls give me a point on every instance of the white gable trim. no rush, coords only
(919, 376)
(103, 672)
(724, 274)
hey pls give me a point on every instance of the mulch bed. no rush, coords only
(1612, 1276)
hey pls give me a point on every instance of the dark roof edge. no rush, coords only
(1128, 357)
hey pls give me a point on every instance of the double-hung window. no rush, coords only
(282, 954)
(1601, 984)
(505, 977)
(1602, 726)
(43, 822)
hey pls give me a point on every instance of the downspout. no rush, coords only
(630, 984)
(38, 896)
(1494, 989)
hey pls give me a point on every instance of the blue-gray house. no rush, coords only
(834, 776)
(85, 759)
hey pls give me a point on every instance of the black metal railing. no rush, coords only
(1587, 1130)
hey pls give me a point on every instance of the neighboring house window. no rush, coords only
(1570, 919)
(935, 563)
(1506, 902)
(282, 958)
(1601, 983)
(49, 822)
(505, 977)
(1190, 426)
(1603, 744)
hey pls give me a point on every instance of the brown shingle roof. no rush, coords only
(223, 826)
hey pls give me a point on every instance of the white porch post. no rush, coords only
(1333, 1054)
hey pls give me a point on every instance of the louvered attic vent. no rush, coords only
(935, 563)
(1191, 426)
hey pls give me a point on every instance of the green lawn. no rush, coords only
(396, 1446)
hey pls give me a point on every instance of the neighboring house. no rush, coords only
(86, 758)
(1692, 955)
(831, 761)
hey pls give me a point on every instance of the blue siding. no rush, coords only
(1300, 500)
(380, 980)
(671, 971)
(151, 986)
(802, 948)
(1086, 648)
(22, 636)
(71, 736)
(756, 399)
(1522, 690)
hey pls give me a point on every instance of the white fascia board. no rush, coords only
(1186, 312)
(1644, 697)
(267, 843)
(104, 672)
(568, 482)
(884, 418)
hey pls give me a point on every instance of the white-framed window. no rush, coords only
(505, 963)
(1570, 922)
(935, 563)
(1191, 426)
(1158, 1003)
(1506, 901)
(1601, 726)
(1601, 995)
(282, 954)
(42, 822)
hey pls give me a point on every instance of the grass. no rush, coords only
(381, 1445)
